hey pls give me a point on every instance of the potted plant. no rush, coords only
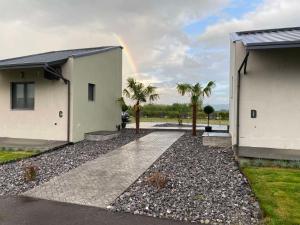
(208, 110)
(124, 114)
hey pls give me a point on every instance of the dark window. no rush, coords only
(91, 92)
(22, 95)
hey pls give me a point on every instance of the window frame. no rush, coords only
(91, 98)
(25, 83)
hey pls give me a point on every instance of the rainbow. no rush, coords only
(127, 53)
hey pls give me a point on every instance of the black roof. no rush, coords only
(51, 58)
(270, 38)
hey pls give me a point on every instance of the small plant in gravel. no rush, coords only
(199, 197)
(30, 172)
(158, 180)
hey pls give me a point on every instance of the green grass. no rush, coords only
(175, 120)
(278, 192)
(9, 155)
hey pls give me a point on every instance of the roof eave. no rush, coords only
(32, 65)
(95, 52)
(271, 46)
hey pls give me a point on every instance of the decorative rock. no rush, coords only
(51, 164)
(204, 185)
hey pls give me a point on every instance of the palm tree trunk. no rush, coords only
(137, 118)
(194, 119)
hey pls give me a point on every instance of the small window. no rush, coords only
(91, 92)
(22, 95)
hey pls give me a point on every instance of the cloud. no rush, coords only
(267, 14)
(153, 31)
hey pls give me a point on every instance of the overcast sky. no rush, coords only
(166, 41)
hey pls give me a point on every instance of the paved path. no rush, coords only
(100, 181)
(152, 125)
(29, 211)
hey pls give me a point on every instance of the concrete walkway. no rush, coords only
(30, 211)
(99, 182)
(152, 126)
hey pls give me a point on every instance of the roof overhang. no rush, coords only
(32, 65)
(272, 45)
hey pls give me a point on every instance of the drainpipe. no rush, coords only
(51, 70)
(244, 64)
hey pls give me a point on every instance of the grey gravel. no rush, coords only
(204, 185)
(55, 163)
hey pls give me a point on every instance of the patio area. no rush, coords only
(29, 144)
(268, 153)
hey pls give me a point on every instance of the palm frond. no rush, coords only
(183, 88)
(195, 99)
(126, 93)
(138, 92)
(153, 97)
(150, 90)
(131, 82)
(207, 90)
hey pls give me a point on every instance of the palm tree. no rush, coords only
(137, 92)
(197, 94)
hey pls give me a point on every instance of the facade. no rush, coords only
(61, 95)
(264, 88)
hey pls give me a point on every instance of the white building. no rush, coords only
(61, 95)
(265, 89)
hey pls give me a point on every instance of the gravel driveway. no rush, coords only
(204, 185)
(55, 163)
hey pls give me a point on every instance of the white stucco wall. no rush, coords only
(271, 86)
(41, 123)
(105, 71)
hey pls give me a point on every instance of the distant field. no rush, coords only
(9, 155)
(174, 120)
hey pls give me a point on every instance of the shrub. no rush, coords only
(158, 180)
(208, 110)
(30, 172)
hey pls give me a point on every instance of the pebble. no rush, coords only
(204, 185)
(55, 163)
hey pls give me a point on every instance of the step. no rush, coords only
(218, 139)
(101, 135)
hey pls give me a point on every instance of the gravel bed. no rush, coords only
(204, 185)
(51, 164)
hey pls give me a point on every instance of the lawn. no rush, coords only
(278, 192)
(175, 120)
(9, 155)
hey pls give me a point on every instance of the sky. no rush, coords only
(165, 41)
